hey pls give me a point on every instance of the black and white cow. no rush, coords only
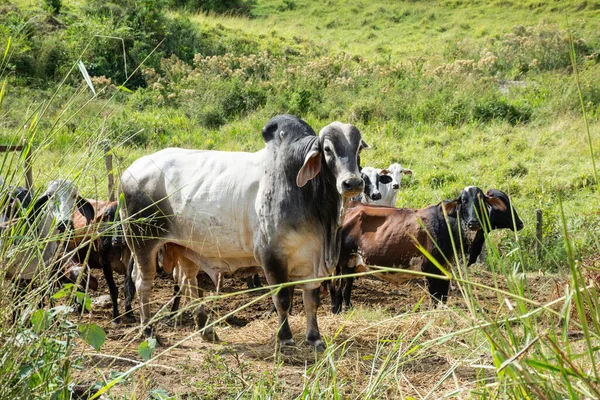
(281, 208)
(374, 179)
(390, 191)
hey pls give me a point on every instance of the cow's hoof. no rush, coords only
(129, 319)
(287, 343)
(336, 309)
(318, 345)
(209, 335)
(115, 322)
(348, 308)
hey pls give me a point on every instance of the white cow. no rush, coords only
(389, 191)
(281, 208)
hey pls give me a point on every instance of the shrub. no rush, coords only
(53, 5)
(217, 6)
(499, 109)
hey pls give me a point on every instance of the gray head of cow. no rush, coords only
(373, 178)
(396, 171)
(497, 207)
(63, 194)
(334, 153)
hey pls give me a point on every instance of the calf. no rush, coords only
(387, 237)
(103, 252)
(374, 179)
(389, 191)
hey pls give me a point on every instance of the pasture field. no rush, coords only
(497, 94)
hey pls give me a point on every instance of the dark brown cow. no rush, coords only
(387, 237)
(101, 253)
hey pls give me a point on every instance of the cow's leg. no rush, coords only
(256, 280)
(311, 298)
(276, 274)
(189, 287)
(438, 289)
(347, 291)
(129, 289)
(335, 293)
(250, 282)
(176, 298)
(145, 271)
(112, 289)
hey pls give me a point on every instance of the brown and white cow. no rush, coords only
(93, 243)
(387, 237)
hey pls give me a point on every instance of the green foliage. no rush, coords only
(146, 348)
(238, 7)
(54, 6)
(93, 335)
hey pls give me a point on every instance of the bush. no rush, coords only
(239, 7)
(53, 6)
(499, 109)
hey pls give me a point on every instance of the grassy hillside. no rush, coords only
(461, 92)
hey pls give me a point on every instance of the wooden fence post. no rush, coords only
(28, 170)
(109, 169)
(538, 232)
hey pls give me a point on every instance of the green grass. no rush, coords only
(417, 80)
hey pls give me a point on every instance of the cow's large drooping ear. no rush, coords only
(39, 205)
(86, 209)
(363, 145)
(407, 172)
(310, 168)
(268, 132)
(450, 207)
(385, 179)
(495, 202)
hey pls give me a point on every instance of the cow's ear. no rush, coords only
(384, 172)
(385, 179)
(86, 209)
(310, 168)
(407, 172)
(495, 202)
(450, 207)
(363, 145)
(268, 132)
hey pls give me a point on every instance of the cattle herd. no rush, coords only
(299, 210)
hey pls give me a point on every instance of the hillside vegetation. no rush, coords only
(461, 92)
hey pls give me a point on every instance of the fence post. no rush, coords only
(538, 232)
(28, 166)
(109, 169)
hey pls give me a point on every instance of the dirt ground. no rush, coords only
(246, 350)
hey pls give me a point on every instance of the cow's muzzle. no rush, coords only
(376, 196)
(473, 225)
(352, 186)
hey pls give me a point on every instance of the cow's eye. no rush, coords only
(327, 150)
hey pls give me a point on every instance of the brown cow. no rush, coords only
(386, 237)
(101, 253)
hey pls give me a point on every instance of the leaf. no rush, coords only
(93, 335)
(123, 88)
(40, 320)
(160, 394)
(86, 76)
(84, 299)
(146, 348)
(66, 289)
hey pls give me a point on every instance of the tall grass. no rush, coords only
(519, 346)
